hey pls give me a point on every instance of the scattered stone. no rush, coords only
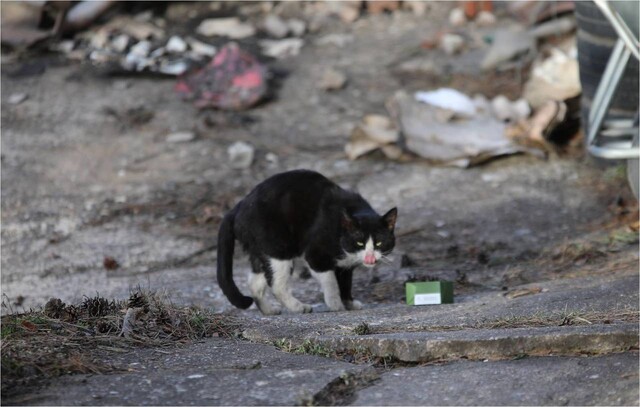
(241, 155)
(349, 13)
(297, 27)
(141, 49)
(65, 46)
(281, 48)
(176, 44)
(380, 6)
(501, 108)
(337, 40)
(451, 43)
(419, 8)
(485, 19)
(230, 27)
(375, 131)
(275, 26)
(181, 137)
(333, 79)
(121, 84)
(110, 263)
(201, 48)
(120, 43)
(17, 98)
(521, 109)
(457, 17)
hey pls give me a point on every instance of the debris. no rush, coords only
(297, 27)
(282, 48)
(174, 68)
(181, 137)
(507, 45)
(506, 111)
(380, 6)
(337, 40)
(374, 132)
(485, 19)
(120, 43)
(557, 26)
(333, 79)
(82, 14)
(451, 43)
(461, 142)
(201, 48)
(139, 30)
(450, 99)
(110, 263)
(521, 292)
(556, 77)
(419, 8)
(348, 12)
(230, 27)
(241, 155)
(176, 44)
(233, 80)
(457, 17)
(539, 128)
(129, 321)
(275, 26)
(17, 98)
(472, 8)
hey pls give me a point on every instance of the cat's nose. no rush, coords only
(369, 258)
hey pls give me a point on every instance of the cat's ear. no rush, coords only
(390, 218)
(347, 221)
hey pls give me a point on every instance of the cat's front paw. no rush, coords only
(353, 305)
(306, 308)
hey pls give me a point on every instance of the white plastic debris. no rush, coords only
(281, 48)
(201, 48)
(457, 17)
(240, 155)
(451, 43)
(17, 98)
(485, 19)
(230, 27)
(181, 137)
(275, 26)
(450, 99)
(176, 44)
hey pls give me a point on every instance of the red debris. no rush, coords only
(233, 80)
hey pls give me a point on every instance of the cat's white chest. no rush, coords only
(350, 260)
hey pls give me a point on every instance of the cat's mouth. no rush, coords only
(369, 260)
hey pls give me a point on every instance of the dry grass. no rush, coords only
(66, 339)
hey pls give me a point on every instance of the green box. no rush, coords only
(429, 292)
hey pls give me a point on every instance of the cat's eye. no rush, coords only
(360, 243)
(378, 244)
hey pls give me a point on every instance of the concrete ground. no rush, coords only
(544, 264)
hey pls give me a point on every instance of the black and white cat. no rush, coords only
(301, 214)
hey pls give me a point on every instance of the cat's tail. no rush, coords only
(226, 243)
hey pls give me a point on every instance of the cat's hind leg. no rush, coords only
(258, 285)
(330, 288)
(281, 274)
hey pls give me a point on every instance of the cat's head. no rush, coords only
(366, 238)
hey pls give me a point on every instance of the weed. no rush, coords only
(362, 329)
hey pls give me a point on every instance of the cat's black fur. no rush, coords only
(299, 214)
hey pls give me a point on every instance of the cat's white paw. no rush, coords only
(354, 305)
(336, 306)
(306, 308)
(271, 311)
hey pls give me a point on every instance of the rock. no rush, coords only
(457, 17)
(420, 66)
(120, 43)
(174, 68)
(275, 26)
(333, 80)
(181, 137)
(380, 6)
(485, 19)
(281, 48)
(501, 108)
(240, 155)
(17, 98)
(451, 43)
(521, 109)
(337, 40)
(297, 27)
(176, 44)
(201, 48)
(230, 27)
(418, 8)
(141, 49)
(348, 13)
